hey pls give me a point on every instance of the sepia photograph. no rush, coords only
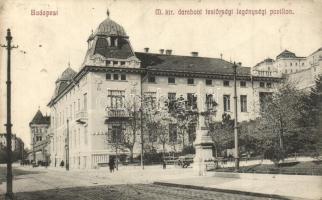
(160, 99)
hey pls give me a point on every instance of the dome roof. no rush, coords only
(68, 74)
(110, 28)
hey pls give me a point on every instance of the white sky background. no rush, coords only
(247, 39)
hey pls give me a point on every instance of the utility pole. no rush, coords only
(235, 121)
(67, 146)
(9, 194)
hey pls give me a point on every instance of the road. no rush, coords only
(55, 184)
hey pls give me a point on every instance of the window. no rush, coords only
(226, 83)
(290, 64)
(171, 80)
(151, 79)
(190, 81)
(78, 104)
(123, 77)
(108, 62)
(115, 77)
(264, 99)
(116, 135)
(74, 105)
(242, 83)
(38, 138)
(226, 103)
(116, 98)
(122, 63)
(191, 132)
(108, 76)
(85, 101)
(71, 111)
(173, 133)
(115, 62)
(243, 103)
(172, 98)
(210, 103)
(261, 84)
(208, 82)
(191, 101)
(150, 99)
(286, 71)
(269, 85)
(85, 135)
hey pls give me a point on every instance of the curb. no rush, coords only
(225, 190)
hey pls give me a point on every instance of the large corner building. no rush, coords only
(87, 105)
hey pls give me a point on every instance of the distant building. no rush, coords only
(40, 138)
(16, 143)
(301, 71)
(88, 106)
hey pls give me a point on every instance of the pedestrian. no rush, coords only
(164, 164)
(62, 163)
(111, 165)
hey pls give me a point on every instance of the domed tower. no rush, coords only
(109, 45)
(64, 80)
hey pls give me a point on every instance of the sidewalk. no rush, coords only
(274, 186)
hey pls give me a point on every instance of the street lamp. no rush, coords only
(235, 120)
(9, 194)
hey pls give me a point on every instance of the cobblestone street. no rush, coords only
(135, 191)
(126, 183)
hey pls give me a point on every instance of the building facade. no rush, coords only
(303, 71)
(40, 138)
(16, 143)
(88, 106)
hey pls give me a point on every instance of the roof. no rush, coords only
(320, 49)
(110, 28)
(267, 60)
(67, 74)
(122, 51)
(188, 64)
(40, 119)
(288, 54)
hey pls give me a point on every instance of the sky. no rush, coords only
(50, 43)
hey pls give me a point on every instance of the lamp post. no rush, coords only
(235, 120)
(9, 193)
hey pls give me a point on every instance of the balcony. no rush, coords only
(81, 117)
(116, 114)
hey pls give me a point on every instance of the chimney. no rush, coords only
(161, 51)
(221, 56)
(168, 52)
(194, 53)
(146, 49)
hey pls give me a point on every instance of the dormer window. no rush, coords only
(114, 41)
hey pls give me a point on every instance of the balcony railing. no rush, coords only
(81, 117)
(116, 113)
